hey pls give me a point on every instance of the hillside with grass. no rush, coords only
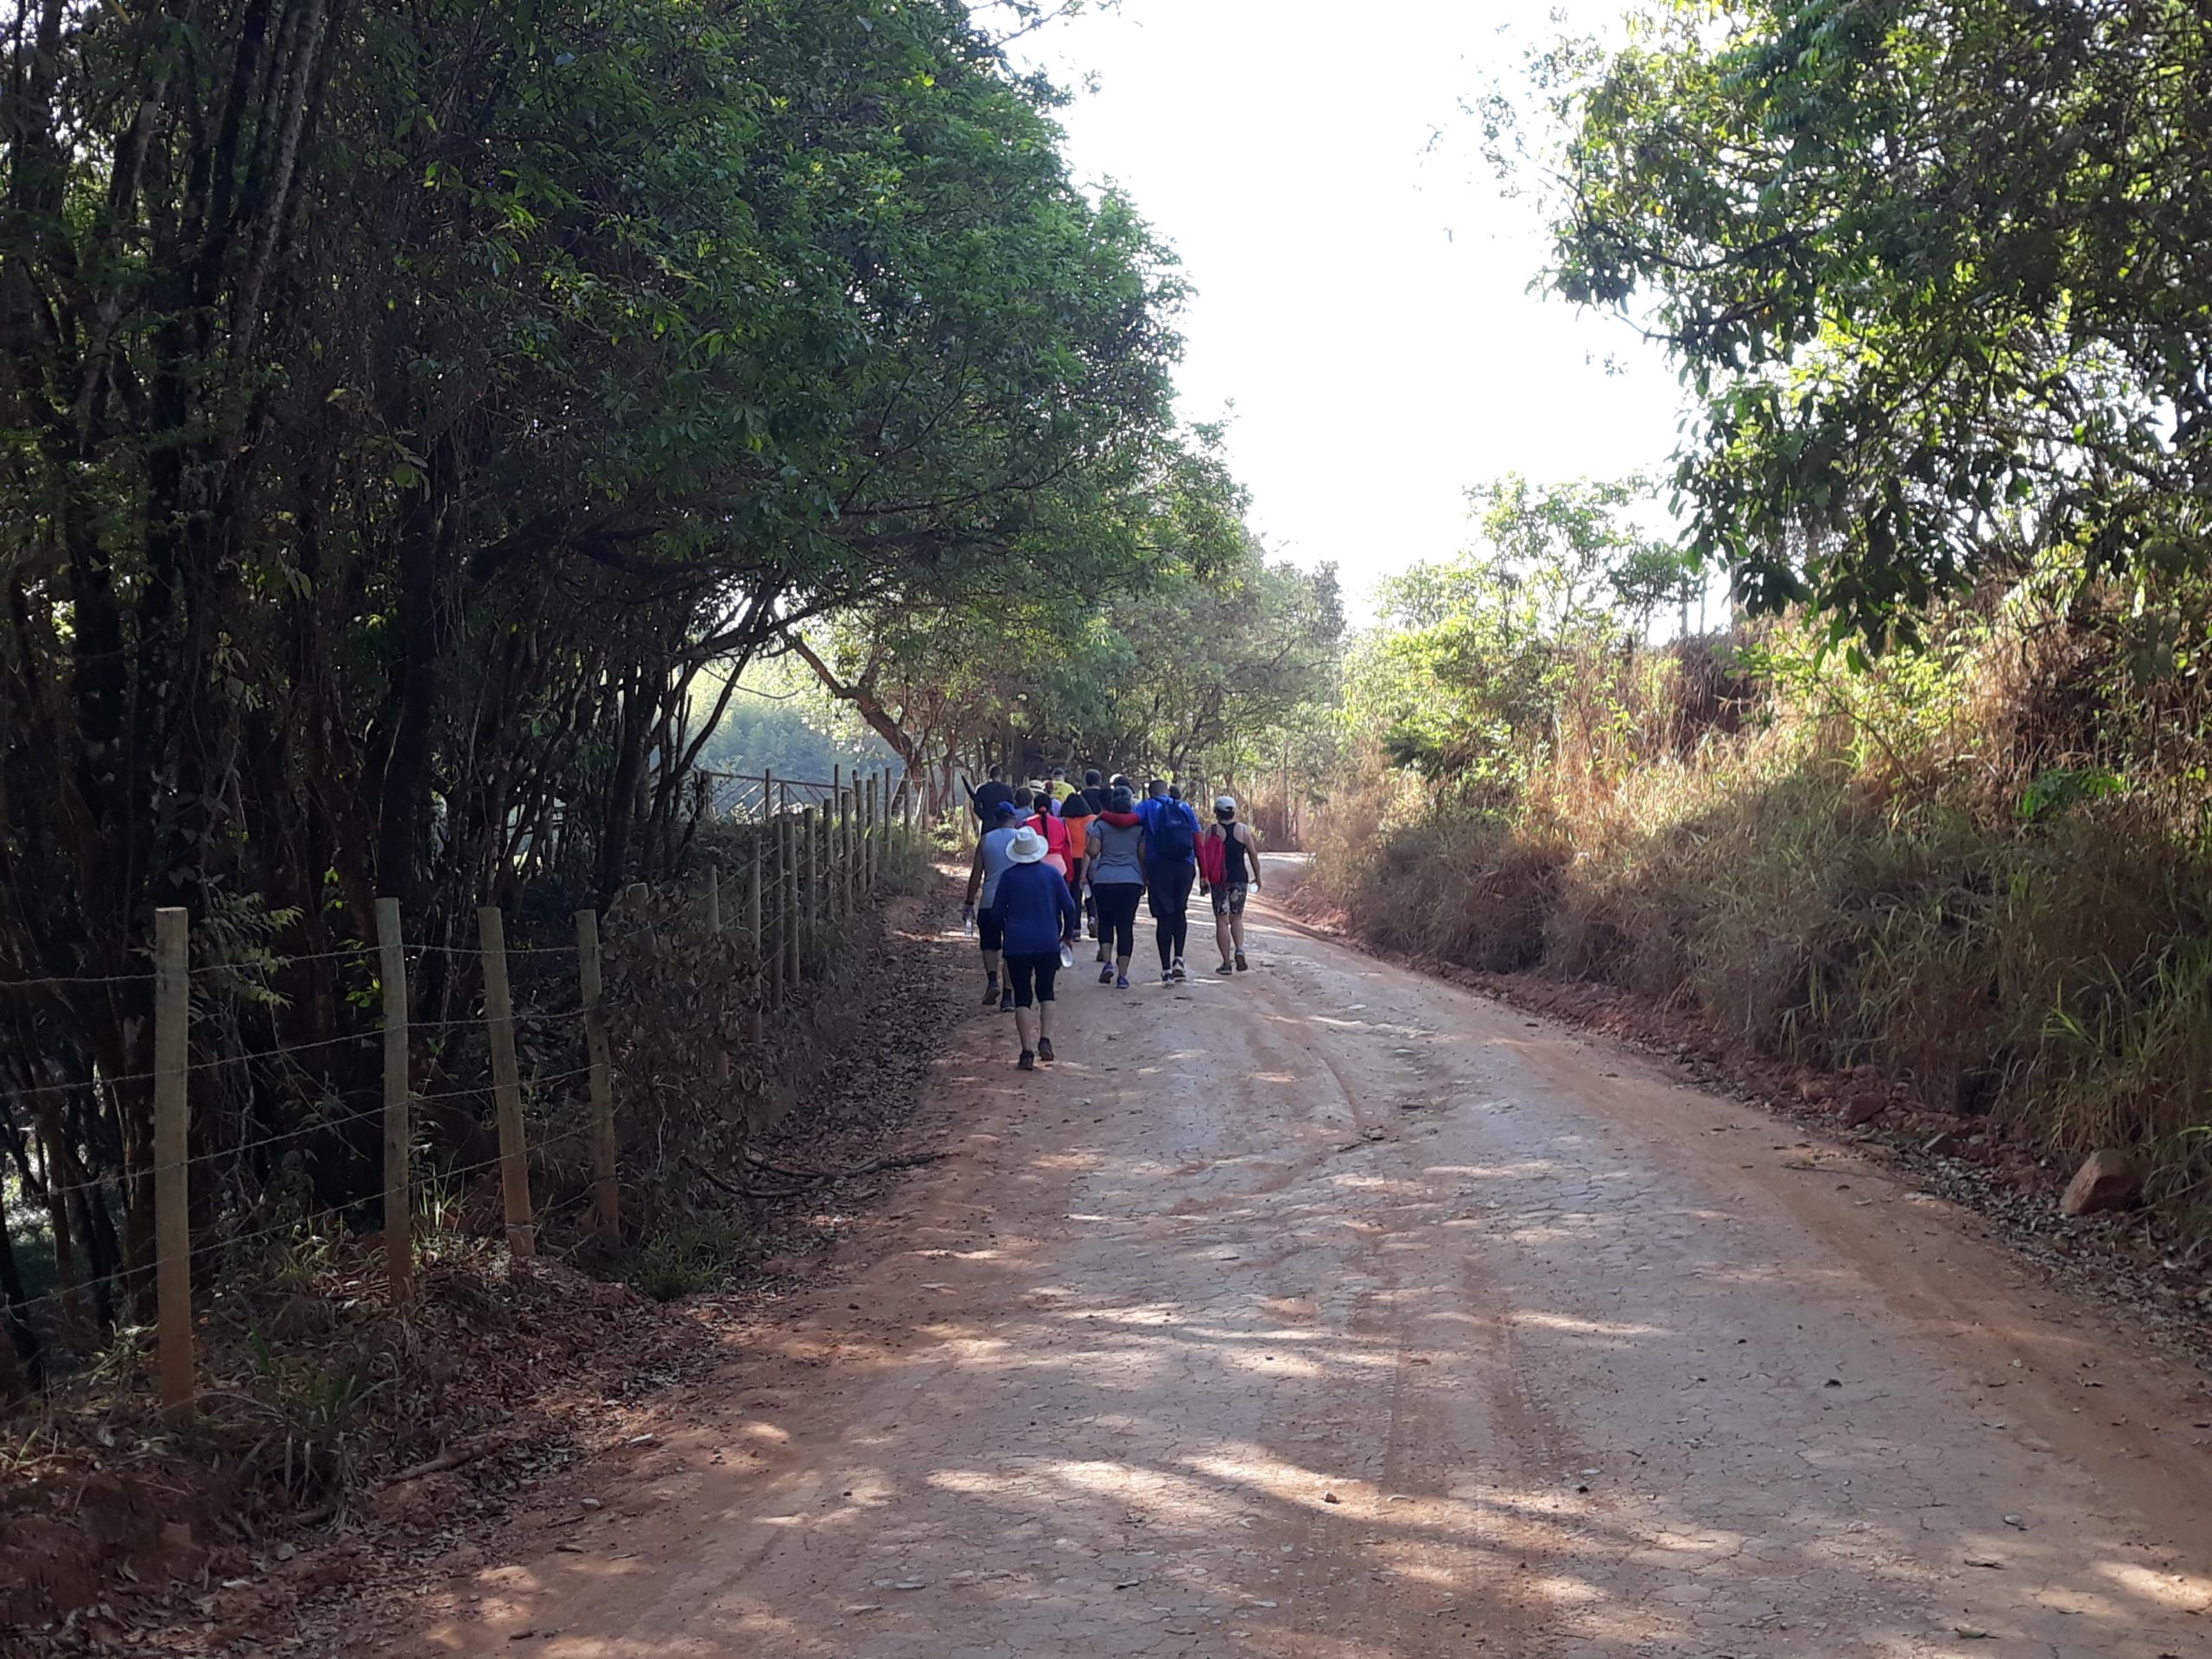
(1932, 800)
(1977, 865)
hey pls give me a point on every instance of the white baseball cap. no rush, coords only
(1224, 803)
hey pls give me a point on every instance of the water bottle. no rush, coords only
(1067, 956)
(968, 921)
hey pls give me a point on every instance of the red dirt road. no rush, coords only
(1331, 1311)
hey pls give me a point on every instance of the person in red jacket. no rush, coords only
(1048, 825)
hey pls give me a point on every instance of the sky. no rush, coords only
(1363, 310)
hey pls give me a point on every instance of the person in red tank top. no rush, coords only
(1227, 853)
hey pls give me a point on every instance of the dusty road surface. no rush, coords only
(1331, 1311)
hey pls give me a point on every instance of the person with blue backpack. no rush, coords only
(1170, 858)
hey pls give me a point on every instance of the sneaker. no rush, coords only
(1167, 976)
(1106, 975)
(1178, 970)
(1026, 1063)
(990, 992)
(1045, 1051)
(1243, 966)
(1227, 967)
(1121, 983)
(1006, 1003)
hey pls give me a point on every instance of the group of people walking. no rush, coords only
(1055, 859)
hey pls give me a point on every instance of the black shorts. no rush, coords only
(1030, 978)
(990, 932)
(1229, 900)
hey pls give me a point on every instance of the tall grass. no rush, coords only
(1981, 869)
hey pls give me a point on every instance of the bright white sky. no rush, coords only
(1363, 305)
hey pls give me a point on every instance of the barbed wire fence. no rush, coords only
(813, 854)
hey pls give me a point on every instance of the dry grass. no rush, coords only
(1843, 874)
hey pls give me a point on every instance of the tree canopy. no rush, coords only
(1935, 274)
(1183, 652)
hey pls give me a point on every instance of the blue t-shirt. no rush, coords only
(1036, 908)
(1152, 811)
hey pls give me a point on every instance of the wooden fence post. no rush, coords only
(778, 927)
(788, 828)
(605, 1190)
(810, 825)
(172, 1138)
(848, 818)
(772, 927)
(834, 839)
(398, 1132)
(821, 908)
(752, 927)
(870, 817)
(506, 1079)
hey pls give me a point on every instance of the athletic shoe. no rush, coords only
(1106, 975)
(1167, 976)
(1026, 1063)
(990, 992)
(1122, 983)
(1006, 1003)
(1178, 970)
(1243, 966)
(1045, 1051)
(1226, 968)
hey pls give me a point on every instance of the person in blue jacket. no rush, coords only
(1037, 915)
(1171, 864)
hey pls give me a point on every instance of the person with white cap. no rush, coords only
(1037, 914)
(1226, 851)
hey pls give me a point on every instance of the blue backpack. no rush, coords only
(1174, 833)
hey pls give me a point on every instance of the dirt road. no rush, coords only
(1333, 1312)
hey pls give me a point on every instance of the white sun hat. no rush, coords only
(1027, 846)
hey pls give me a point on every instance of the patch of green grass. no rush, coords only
(686, 1258)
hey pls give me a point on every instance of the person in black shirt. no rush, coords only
(1097, 792)
(986, 798)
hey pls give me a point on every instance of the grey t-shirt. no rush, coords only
(998, 854)
(1117, 855)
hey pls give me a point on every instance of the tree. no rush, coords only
(1173, 646)
(1935, 274)
(1461, 678)
(400, 409)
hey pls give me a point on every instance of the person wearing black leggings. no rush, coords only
(1171, 864)
(1115, 858)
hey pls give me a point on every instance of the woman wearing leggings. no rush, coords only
(1115, 861)
(1039, 915)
